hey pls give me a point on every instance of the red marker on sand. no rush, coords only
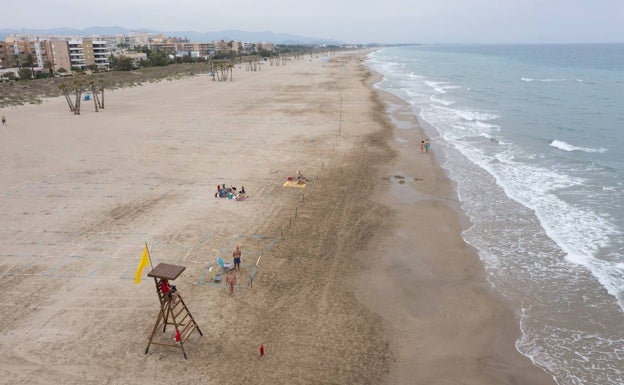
(261, 351)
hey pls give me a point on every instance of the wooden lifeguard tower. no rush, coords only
(172, 312)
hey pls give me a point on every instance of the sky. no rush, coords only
(349, 21)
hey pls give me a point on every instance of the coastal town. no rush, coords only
(37, 66)
(58, 54)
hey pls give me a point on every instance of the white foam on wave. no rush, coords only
(476, 116)
(489, 126)
(441, 87)
(542, 80)
(455, 124)
(610, 275)
(441, 101)
(578, 230)
(564, 146)
(492, 139)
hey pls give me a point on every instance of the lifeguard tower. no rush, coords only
(172, 311)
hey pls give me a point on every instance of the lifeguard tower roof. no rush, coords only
(166, 271)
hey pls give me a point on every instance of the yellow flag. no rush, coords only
(142, 263)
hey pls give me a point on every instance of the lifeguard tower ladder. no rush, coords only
(171, 312)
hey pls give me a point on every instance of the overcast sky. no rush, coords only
(356, 21)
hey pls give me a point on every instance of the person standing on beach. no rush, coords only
(231, 281)
(427, 145)
(422, 146)
(237, 258)
(3, 120)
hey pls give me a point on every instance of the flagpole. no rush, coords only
(149, 256)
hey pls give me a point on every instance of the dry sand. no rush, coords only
(362, 275)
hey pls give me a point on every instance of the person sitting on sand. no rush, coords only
(300, 178)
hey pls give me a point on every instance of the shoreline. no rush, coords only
(419, 187)
(336, 261)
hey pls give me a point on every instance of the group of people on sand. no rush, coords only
(230, 192)
(171, 292)
(300, 178)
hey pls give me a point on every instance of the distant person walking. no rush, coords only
(427, 145)
(3, 120)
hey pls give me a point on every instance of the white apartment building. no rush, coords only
(83, 53)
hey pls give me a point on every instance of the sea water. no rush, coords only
(533, 137)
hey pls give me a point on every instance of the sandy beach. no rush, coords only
(360, 277)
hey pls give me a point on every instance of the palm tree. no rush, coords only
(16, 60)
(30, 62)
(95, 97)
(63, 88)
(78, 89)
(101, 83)
(48, 65)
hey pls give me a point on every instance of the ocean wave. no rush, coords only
(490, 138)
(441, 101)
(564, 146)
(441, 87)
(542, 80)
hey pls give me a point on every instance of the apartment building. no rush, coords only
(84, 53)
(133, 40)
(266, 46)
(60, 55)
(3, 60)
(23, 52)
(222, 46)
(76, 54)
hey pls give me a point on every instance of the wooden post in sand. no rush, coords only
(340, 128)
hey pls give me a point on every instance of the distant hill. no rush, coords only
(197, 37)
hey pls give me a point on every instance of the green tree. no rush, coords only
(157, 59)
(25, 73)
(17, 62)
(123, 63)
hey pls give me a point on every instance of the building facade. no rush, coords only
(60, 55)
